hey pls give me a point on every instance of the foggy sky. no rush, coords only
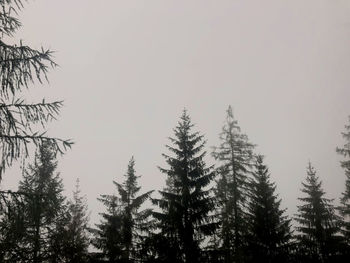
(128, 68)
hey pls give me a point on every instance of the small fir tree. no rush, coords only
(345, 199)
(135, 223)
(269, 228)
(121, 231)
(73, 229)
(43, 204)
(318, 224)
(185, 203)
(107, 236)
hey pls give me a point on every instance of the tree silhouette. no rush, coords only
(72, 230)
(318, 224)
(269, 228)
(185, 203)
(235, 160)
(12, 227)
(120, 233)
(108, 234)
(134, 222)
(345, 199)
(43, 204)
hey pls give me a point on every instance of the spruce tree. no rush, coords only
(73, 229)
(318, 224)
(121, 231)
(135, 223)
(345, 199)
(269, 228)
(43, 204)
(235, 155)
(185, 204)
(108, 233)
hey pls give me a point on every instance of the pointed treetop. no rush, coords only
(131, 178)
(311, 177)
(77, 191)
(260, 158)
(261, 167)
(229, 111)
(231, 124)
(185, 119)
(310, 169)
(345, 150)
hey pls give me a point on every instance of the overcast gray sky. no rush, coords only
(128, 68)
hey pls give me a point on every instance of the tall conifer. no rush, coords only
(135, 223)
(43, 204)
(269, 228)
(235, 160)
(185, 203)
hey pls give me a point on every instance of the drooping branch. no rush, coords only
(21, 65)
(14, 147)
(20, 116)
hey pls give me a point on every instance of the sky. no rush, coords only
(127, 69)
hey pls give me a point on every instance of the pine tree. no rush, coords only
(120, 233)
(345, 199)
(108, 234)
(235, 157)
(73, 229)
(318, 224)
(135, 223)
(185, 204)
(43, 203)
(269, 228)
(21, 66)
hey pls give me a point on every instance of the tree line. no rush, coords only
(227, 213)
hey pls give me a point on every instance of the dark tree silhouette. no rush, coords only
(108, 234)
(71, 235)
(20, 67)
(135, 223)
(235, 159)
(318, 224)
(122, 230)
(345, 199)
(185, 204)
(12, 229)
(269, 228)
(43, 205)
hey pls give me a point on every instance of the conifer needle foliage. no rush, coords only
(185, 204)
(345, 199)
(318, 224)
(125, 225)
(235, 160)
(22, 123)
(269, 228)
